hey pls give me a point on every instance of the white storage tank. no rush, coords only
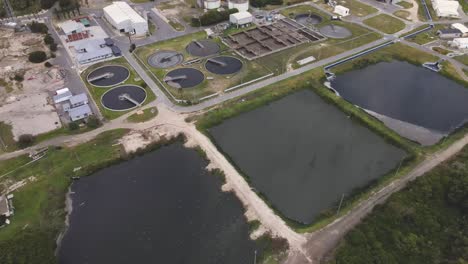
(241, 5)
(212, 4)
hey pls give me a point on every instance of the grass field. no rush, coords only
(402, 14)
(146, 115)
(215, 83)
(97, 92)
(7, 142)
(405, 5)
(385, 23)
(356, 8)
(39, 206)
(422, 11)
(425, 37)
(463, 59)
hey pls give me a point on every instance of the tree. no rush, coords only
(53, 46)
(25, 140)
(48, 64)
(37, 56)
(93, 122)
(73, 126)
(37, 27)
(46, 4)
(48, 39)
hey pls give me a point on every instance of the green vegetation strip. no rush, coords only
(425, 221)
(97, 92)
(385, 23)
(145, 115)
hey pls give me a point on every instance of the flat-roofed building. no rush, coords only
(125, 19)
(79, 112)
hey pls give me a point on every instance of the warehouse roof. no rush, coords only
(62, 97)
(241, 15)
(79, 98)
(71, 26)
(79, 112)
(463, 29)
(121, 11)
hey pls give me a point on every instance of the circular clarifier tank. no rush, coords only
(202, 48)
(123, 97)
(337, 32)
(308, 19)
(223, 65)
(108, 76)
(165, 59)
(184, 78)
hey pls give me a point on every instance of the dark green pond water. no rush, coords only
(162, 207)
(304, 154)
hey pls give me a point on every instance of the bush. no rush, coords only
(262, 3)
(73, 126)
(46, 4)
(19, 76)
(53, 46)
(25, 140)
(52, 55)
(37, 56)
(144, 85)
(213, 17)
(132, 48)
(48, 64)
(93, 122)
(38, 27)
(48, 39)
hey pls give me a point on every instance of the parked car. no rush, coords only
(335, 17)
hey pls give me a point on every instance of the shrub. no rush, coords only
(144, 85)
(48, 64)
(132, 48)
(25, 140)
(262, 3)
(73, 126)
(46, 4)
(48, 39)
(93, 122)
(52, 55)
(19, 76)
(53, 46)
(37, 27)
(37, 56)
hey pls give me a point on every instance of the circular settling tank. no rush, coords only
(107, 76)
(184, 78)
(123, 97)
(333, 31)
(202, 48)
(165, 59)
(223, 65)
(308, 19)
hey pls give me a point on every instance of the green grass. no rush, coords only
(464, 5)
(39, 206)
(405, 5)
(356, 8)
(425, 37)
(463, 59)
(402, 14)
(146, 115)
(216, 83)
(97, 92)
(176, 25)
(385, 23)
(441, 50)
(7, 142)
(422, 11)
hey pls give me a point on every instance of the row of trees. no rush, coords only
(262, 3)
(213, 17)
(68, 9)
(424, 223)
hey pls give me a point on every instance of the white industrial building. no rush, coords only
(79, 112)
(90, 50)
(240, 5)
(212, 4)
(463, 29)
(125, 19)
(460, 43)
(71, 26)
(341, 10)
(446, 8)
(241, 19)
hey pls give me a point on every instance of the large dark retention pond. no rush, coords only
(304, 154)
(158, 208)
(408, 93)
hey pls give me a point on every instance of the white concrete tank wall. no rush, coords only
(212, 4)
(241, 5)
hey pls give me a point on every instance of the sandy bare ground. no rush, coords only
(413, 11)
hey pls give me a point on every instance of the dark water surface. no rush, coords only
(303, 153)
(408, 93)
(158, 208)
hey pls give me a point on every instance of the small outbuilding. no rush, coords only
(62, 96)
(241, 19)
(341, 10)
(449, 33)
(79, 112)
(6, 209)
(71, 26)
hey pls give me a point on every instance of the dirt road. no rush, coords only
(320, 243)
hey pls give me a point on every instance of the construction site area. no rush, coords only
(25, 88)
(267, 39)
